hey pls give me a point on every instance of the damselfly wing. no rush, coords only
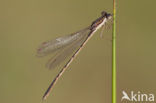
(58, 43)
(68, 50)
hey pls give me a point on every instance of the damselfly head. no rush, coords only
(101, 21)
(107, 15)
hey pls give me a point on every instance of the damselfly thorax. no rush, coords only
(69, 46)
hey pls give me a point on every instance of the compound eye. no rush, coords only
(108, 16)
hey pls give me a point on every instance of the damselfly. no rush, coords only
(69, 46)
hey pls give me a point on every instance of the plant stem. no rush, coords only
(114, 54)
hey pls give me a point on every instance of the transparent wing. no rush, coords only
(68, 51)
(57, 58)
(59, 43)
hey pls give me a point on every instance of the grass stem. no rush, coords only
(114, 54)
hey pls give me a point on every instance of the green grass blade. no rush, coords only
(114, 54)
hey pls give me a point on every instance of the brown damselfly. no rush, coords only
(69, 46)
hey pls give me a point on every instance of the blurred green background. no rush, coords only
(25, 24)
